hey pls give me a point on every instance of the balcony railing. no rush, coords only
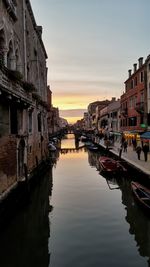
(11, 8)
(124, 112)
(139, 107)
(13, 88)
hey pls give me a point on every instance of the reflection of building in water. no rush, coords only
(71, 150)
(53, 157)
(93, 159)
(26, 238)
(76, 143)
(138, 221)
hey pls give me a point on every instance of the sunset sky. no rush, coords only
(91, 44)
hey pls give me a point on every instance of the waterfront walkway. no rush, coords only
(131, 157)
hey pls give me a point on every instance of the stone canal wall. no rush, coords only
(8, 163)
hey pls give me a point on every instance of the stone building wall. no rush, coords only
(8, 162)
(23, 110)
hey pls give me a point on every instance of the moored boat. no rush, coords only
(93, 147)
(110, 165)
(51, 147)
(142, 194)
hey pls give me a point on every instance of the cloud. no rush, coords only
(72, 112)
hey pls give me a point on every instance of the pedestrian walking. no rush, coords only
(145, 150)
(120, 151)
(134, 143)
(138, 151)
(122, 139)
(125, 145)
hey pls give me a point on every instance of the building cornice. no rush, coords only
(28, 4)
(135, 73)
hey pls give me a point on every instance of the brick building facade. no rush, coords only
(134, 100)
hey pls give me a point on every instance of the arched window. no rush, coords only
(2, 46)
(18, 61)
(10, 56)
(39, 122)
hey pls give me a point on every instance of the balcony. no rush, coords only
(11, 9)
(140, 107)
(13, 89)
(124, 112)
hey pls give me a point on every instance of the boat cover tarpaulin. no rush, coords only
(115, 133)
(145, 135)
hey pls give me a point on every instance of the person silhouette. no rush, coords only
(145, 151)
(138, 151)
(125, 145)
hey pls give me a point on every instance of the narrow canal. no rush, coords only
(77, 218)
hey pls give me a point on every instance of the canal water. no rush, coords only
(77, 218)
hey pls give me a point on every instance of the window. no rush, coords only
(141, 76)
(20, 120)
(13, 120)
(114, 115)
(39, 122)
(142, 97)
(30, 122)
(132, 84)
(35, 52)
(135, 81)
(135, 101)
(44, 126)
(4, 119)
(132, 121)
(131, 102)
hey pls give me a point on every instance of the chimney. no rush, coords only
(140, 61)
(129, 71)
(135, 67)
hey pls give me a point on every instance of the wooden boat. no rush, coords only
(142, 194)
(51, 147)
(93, 147)
(110, 165)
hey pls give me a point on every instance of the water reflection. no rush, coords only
(68, 141)
(71, 145)
(93, 159)
(138, 221)
(24, 242)
(88, 219)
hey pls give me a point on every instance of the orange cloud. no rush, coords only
(72, 120)
(79, 94)
(70, 102)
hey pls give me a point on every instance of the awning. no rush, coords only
(145, 135)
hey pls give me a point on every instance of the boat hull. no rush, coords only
(142, 194)
(110, 165)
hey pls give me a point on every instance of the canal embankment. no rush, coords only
(19, 193)
(130, 157)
